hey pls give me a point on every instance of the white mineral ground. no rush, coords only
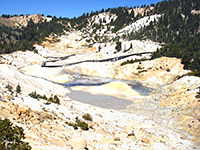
(166, 118)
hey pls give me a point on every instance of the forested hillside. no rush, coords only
(179, 21)
(13, 39)
(179, 29)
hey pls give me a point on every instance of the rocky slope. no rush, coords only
(45, 124)
(150, 73)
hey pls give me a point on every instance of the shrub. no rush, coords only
(33, 95)
(56, 99)
(53, 99)
(11, 136)
(35, 51)
(141, 71)
(78, 123)
(10, 88)
(132, 61)
(118, 46)
(83, 125)
(139, 67)
(198, 94)
(18, 89)
(87, 117)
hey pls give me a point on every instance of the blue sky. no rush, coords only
(64, 8)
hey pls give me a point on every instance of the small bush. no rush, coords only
(18, 89)
(35, 51)
(139, 67)
(87, 117)
(198, 94)
(10, 88)
(56, 99)
(33, 95)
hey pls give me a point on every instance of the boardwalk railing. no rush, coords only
(44, 64)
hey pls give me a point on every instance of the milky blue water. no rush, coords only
(104, 101)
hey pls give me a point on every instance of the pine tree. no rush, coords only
(12, 136)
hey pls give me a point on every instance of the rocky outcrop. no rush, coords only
(22, 20)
